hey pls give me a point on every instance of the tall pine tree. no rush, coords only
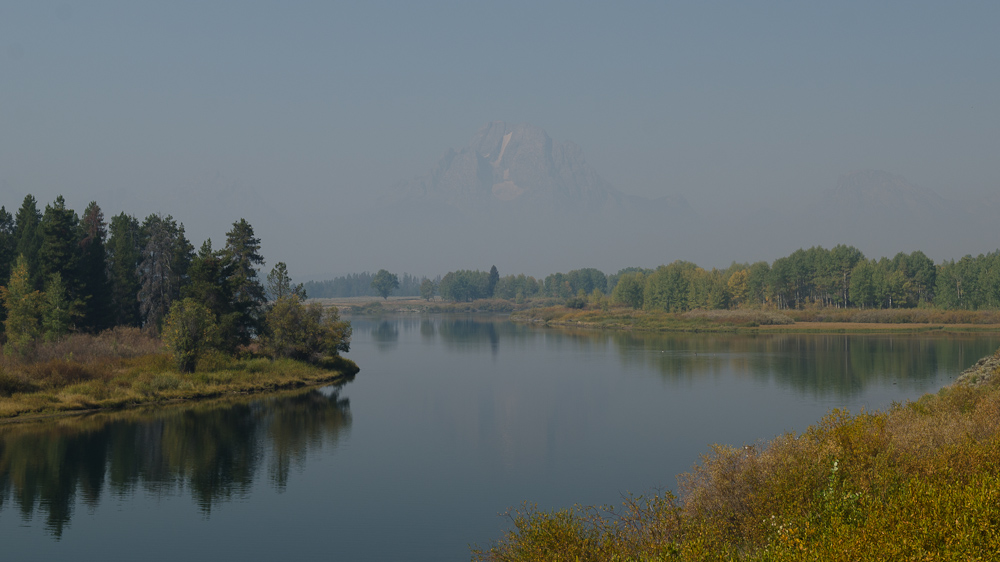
(27, 239)
(59, 252)
(124, 254)
(166, 257)
(8, 244)
(93, 269)
(158, 282)
(208, 283)
(242, 253)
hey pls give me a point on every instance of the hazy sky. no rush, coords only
(288, 112)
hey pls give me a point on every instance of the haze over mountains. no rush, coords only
(516, 198)
(520, 168)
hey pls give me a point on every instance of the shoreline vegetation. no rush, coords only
(919, 481)
(97, 316)
(820, 320)
(126, 368)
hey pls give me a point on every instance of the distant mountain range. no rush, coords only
(515, 198)
(519, 167)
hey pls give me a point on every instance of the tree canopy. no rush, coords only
(384, 283)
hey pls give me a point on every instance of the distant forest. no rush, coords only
(359, 285)
(841, 277)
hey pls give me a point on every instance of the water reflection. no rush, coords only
(465, 333)
(385, 334)
(215, 451)
(839, 365)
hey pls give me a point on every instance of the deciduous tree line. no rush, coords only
(837, 277)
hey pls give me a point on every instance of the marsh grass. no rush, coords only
(125, 367)
(895, 316)
(817, 320)
(920, 481)
(743, 317)
(624, 318)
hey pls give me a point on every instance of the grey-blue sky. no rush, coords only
(260, 109)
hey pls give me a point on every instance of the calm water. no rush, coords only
(451, 421)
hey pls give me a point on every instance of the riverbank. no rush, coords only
(919, 481)
(123, 368)
(755, 321)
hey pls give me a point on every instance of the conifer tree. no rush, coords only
(208, 283)
(242, 254)
(59, 252)
(279, 284)
(494, 279)
(27, 239)
(166, 255)
(8, 245)
(94, 270)
(124, 253)
(57, 316)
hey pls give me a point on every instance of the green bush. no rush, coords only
(189, 330)
(297, 331)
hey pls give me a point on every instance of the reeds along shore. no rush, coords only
(125, 366)
(819, 319)
(920, 481)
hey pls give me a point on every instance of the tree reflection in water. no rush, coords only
(819, 365)
(386, 335)
(215, 450)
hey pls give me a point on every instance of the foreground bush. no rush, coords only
(920, 481)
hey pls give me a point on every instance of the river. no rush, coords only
(451, 421)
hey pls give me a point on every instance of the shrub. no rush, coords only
(188, 330)
(741, 316)
(10, 383)
(297, 331)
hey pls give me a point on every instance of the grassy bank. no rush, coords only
(124, 367)
(810, 321)
(920, 481)
(374, 306)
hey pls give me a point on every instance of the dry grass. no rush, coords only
(871, 327)
(895, 316)
(125, 367)
(749, 317)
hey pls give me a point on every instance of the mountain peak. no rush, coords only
(515, 166)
